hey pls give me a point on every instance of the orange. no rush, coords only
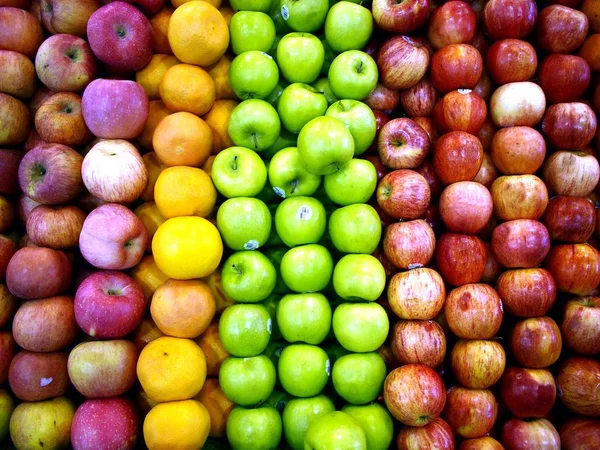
(148, 275)
(198, 33)
(146, 332)
(187, 88)
(151, 217)
(183, 308)
(154, 167)
(149, 77)
(215, 282)
(213, 349)
(184, 191)
(207, 167)
(160, 27)
(218, 120)
(220, 75)
(218, 406)
(142, 401)
(177, 426)
(187, 247)
(227, 12)
(178, 3)
(171, 369)
(590, 51)
(183, 139)
(157, 111)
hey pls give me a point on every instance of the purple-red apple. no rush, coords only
(20, 31)
(403, 194)
(460, 258)
(528, 393)
(34, 377)
(15, 119)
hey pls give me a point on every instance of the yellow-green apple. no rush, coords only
(248, 276)
(354, 183)
(45, 325)
(419, 342)
(15, 120)
(102, 369)
(115, 109)
(245, 329)
(299, 413)
(528, 393)
(520, 434)
(359, 277)
(578, 327)
(7, 405)
(303, 369)
(9, 169)
(376, 422)
(8, 306)
(307, 268)
(527, 292)
(305, 16)
(34, 377)
(254, 124)
(522, 103)
(20, 31)
(8, 349)
(289, 177)
(55, 227)
(355, 228)
(114, 171)
(251, 30)
(254, 428)
(244, 223)
(577, 382)
(474, 311)
(253, 74)
(7, 214)
(348, 26)
(409, 245)
(580, 434)
(59, 120)
(521, 243)
(51, 174)
(536, 342)
(118, 247)
(417, 294)
(436, 434)
(335, 430)
(238, 172)
(17, 74)
(404, 194)
(402, 61)
(65, 63)
(358, 377)
(477, 364)
(38, 272)
(298, 104)
(353, 75)
(300, 57)
(471, 413)
(359, 119)
(121, 36)
(67, 16)
(7, 249)
(360, 327)
(304, 318)
(300, 220)
(104, 424)
(403, 144)
(236, 374)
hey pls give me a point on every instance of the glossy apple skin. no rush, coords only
(436, 434)
(457, 157)
(517, 104)
(417, 294)
(564, 78)
(519, 197)
(414, 394)
(528, 393)
(20, 31)
(476, 363)
(484, 443)
(460, 110)
(527, 292)
(561, 29)
(403, 194)
(435, 185)
(396, 56)
(520, 434)
(456, 66)
(569, 126)
(460, 258)
(520, 243)
(474, 311)
(419, 342)
(57, 228)
(579, 326)
(580, 434)
(452, 22)
(509, 19)
(577, 380)
(488, 173)
(382, 98)
(403, 144)
(570, 219)
(574, 267)
(400, 17)
(427, 124)
(381, 169)
(409, 245)
(471, 413)
(536, 342)
(574, 174)
(419, 100)
(511, 60)
(518, 150)
(466, 207)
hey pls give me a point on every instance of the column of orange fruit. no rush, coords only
(191, 99)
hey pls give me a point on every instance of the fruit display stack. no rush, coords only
(299, 224)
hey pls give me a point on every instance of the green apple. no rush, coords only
(253, 74)
(307, 268)
(274, 239)
(281, 26)
(278, 400)
(285, 140)
(238, 172)
(273, 97)
(251, 30)
(354, 183)
(7, 406)
(359, 277)
(300, 57)
(254, 124)
(358, 377)
(355, 228)
(333, 349)
(248, 276)
(288, 176)
(299, 413)
(267, 196)
(353, 75)
(275, 255)
(322, 85)
(245, 330)
(274, 350)
(252, 5)
(254, 429)
(304, 318)
(329, 56)
(377, 423)
(270, 304)
(304, 15)
(348, 26)
(333, 431)
(360, 327)
(325, 145)
(303, 369)
(244, 223)
(247, 381)
(300, 220)
(299, 104)
(359, 119)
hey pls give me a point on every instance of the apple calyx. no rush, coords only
(38, 171)
(121, 30)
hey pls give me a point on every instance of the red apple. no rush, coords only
(456, 66)
(402, 17)
(409, 245)
(521, 243)
(474, 311)
(8, 349)
(67, 16)
(59, 120)
(457, 157)
(19, 31)
(414, 394)
(575, 268)
(416, 294)
(561, 29)
(461, 110)
(453, 22)
(578, 379)
(55, 227)
(580, 434)
(34, 377)
(435, 185)
(403, 144)
(574, 174)
(24, 207)
(493, 268)
(484, 88)
(478, 364)
(8, 306)
(517, 104)
(536, 342)
(15, 119)
(419, 342)
(403, 194)
(488, 173)
(471, 413)
(564, 78)
(527, 292)
(382, 98)
(528, 393)
(419, 100)
(519, 197)
(460, 258)
(484, 443)
(570, 219)
(537, 434)
(579, 326)
(466, 207)
(9, 169)
(427, 124)
(518, 150)
(118, 247)
(17, 76)
(481, 42)
(509, 19)
(511, 60)
(402, 61)
(7, 250)
(436, 434)
(569, 126)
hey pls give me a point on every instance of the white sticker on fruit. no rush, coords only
(328, 367)
(464, 91)
(285, 12)
(45, 381)
(278, 191)
(305, 212)
(269, 326)
(415, 266)
(252, 244)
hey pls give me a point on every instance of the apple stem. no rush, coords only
(234, 165)
(293, 186)
(255, 140)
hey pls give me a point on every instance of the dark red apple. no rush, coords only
(519, 197)
(471, 413)
(511, 60)
(402, 61)
(427, 124)
(435, 185)
(484, 88)
(506, 19)
(493, 268)
(8, 349)
(409, 245)
(520, 434)
(403, 144)
(522, 103)
(569, 126)
(417, 294)
(34, 377)
(536, 342)
(574, 174)
(574, 267)
(453, 22)
(518, 150)
(579, 326)
(436, 434)
(527, 292)
(521, 243)
(580, 434)
(564, 78)
(461, 258)
(461, 110)
(466, 207)
(528, 393)
(456, 66)
(474, 311)
(419, 100)
(578, 379)
(561, 29)
(487, 173)
(419, 342)
(8, 247)
(381, 169)
(403, 194)
(478, 364)
(570, 219)
(402, 17)
(9, 169)
(457, 157)
(382, 98)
